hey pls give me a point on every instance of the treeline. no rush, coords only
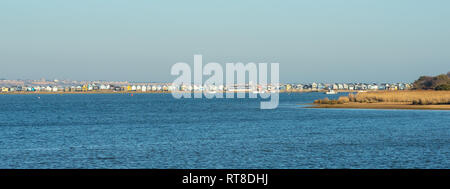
(440, 82)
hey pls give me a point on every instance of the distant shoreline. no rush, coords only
(88, 92)
(152, 92)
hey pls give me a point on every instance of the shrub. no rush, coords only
(443, 87)
(343, 99)
(352, 97)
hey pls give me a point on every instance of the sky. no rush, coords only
(313, 41)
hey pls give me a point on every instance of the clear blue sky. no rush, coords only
(316, 40)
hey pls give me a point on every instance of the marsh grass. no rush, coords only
(341, 100)
(417, 97)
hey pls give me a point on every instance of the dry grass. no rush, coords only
(356, 105)
(420, 97)
(416, 97)
(341, 100)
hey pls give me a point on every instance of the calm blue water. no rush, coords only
(157, 131)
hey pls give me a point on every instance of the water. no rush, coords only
(157, 131)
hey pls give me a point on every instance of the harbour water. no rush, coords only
(158, 131)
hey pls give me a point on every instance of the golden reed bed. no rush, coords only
(414, 99)
(420, 97)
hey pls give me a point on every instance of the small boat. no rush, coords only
(331, 92)
(212, 92)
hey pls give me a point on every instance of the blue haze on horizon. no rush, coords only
(320, 40)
